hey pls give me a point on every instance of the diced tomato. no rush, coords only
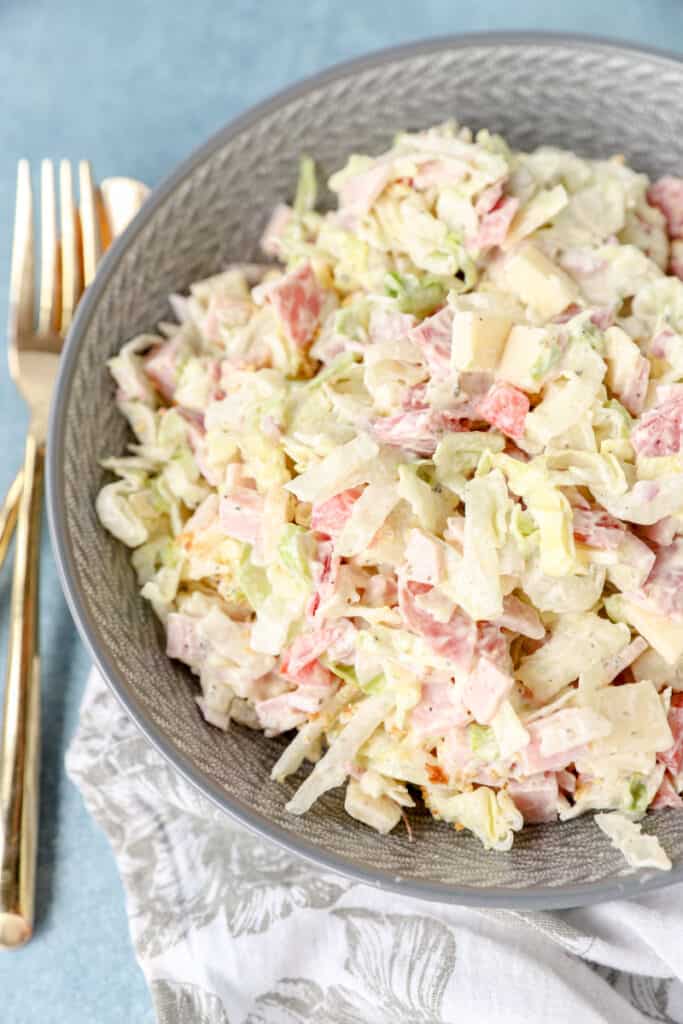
(329, 517)
(505, 407)
(667, 195)
(298, 300)
(494, 225)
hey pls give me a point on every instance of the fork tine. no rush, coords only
(21, 279)
(72, 277)
(90, 222)
(48, 319)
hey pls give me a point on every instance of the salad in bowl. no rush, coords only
(411, 491)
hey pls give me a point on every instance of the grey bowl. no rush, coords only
(589, 95)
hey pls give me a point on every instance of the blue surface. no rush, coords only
(135, 85)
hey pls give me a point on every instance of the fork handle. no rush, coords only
(19, 750)
(8, 515)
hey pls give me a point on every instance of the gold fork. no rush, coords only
(67, 266)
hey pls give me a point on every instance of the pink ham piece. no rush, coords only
(389, 325)
(485, 690)
(635, 392)
(521, 618)
(271, 239)
(381, 590)
(359, 192)
(336, 640)
(667, 195)
(566, 781)
(660, 430)
(673, 757)
(298, 301)
(433, 337)
(416, 430)
(666, 795)
(329, 517)
(598, 529)
(438, 711)
(535, 797)
(241, 514)
(325, 576)
(676, 260)
(531, 760)
(488, 199)
(663, 589)
(161, 366)
(661, 533)
(278, 714)
(494, 226)
(424, 558)
(182, 640)
(505, 407)
(454, 639)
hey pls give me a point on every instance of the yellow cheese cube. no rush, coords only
(478, 340)
(538, 282)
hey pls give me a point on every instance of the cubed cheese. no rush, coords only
(665, 636)
(478, 340)
(528, 354)
(538, 282)
(621, 356)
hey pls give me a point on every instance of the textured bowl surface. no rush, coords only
(590, 96)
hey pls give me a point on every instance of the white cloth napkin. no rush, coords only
(229, 929)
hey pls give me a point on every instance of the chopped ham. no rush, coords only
(438, 711)
(278, 714)
(493, 644)
(485, 690)
(494, 225)
(329, 517)
(663, 589)
(271, 239)
(454, 639)
(161, 366)
(535, 797)
(298, 301)
(635, 391)
(531, 760)
(359, 192)
(424, 558)
(325, 576)
(505, 407)
(520, 617)
(667, 195)
(666, 795)
(602, 318)
(488, 199)
(598, 529)
(676, 261)
(241, 514)
(182, 639)
(661, 533)
(416, 430)
(433, 173)
(566, 781)
(337, 640)
(660, 430)
(673, 757)
(380, 590)
(433, 337)
(389, 324)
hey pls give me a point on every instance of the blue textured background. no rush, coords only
(135, 85)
